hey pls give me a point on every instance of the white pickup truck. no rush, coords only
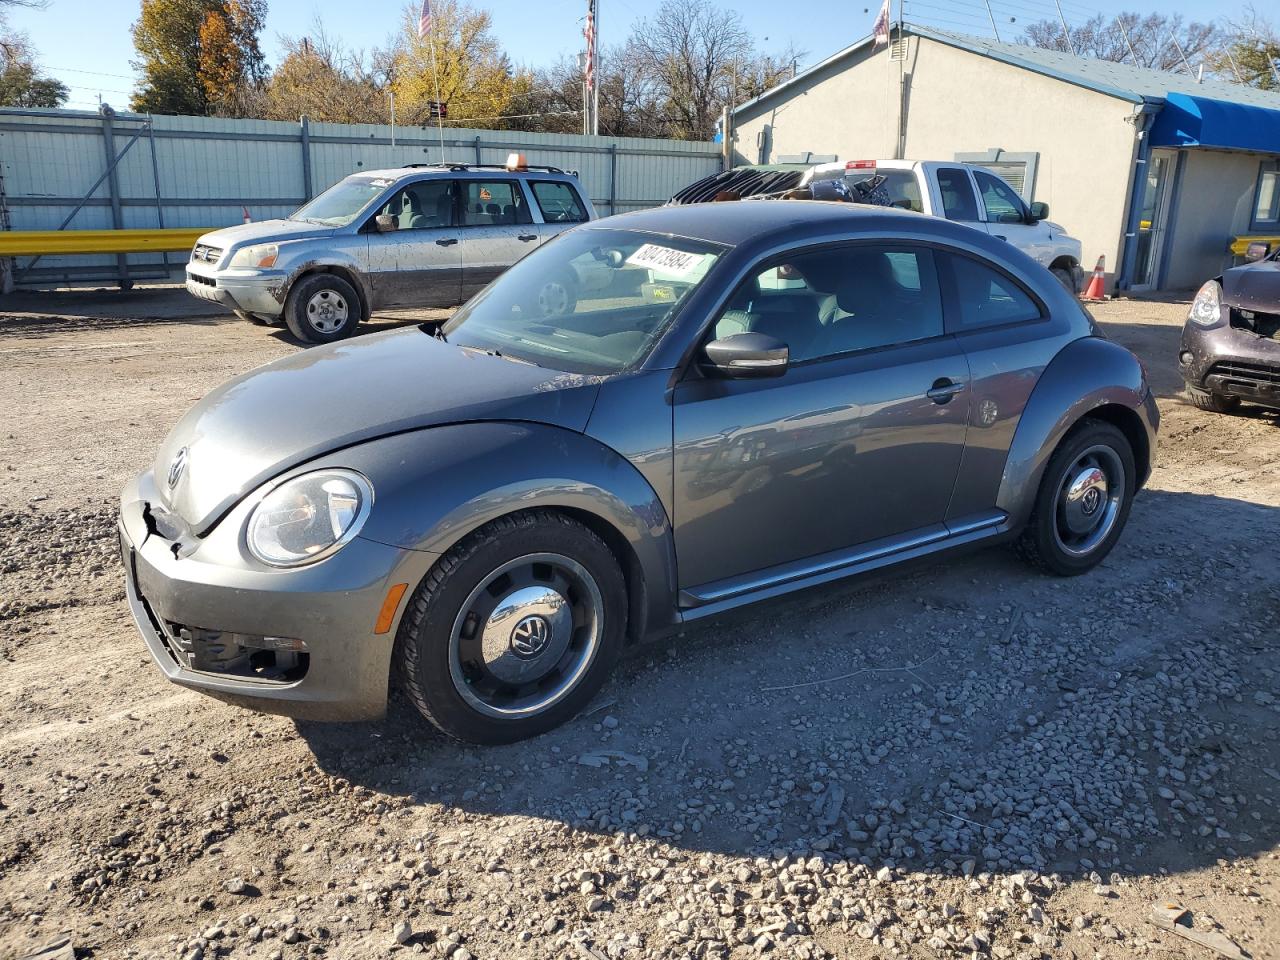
(972, 195)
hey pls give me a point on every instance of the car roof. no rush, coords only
(733, 223)
(456, 170)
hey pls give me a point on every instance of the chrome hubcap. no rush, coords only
(553, 300)
(327, 311)
(1089, 498)
(525, 636)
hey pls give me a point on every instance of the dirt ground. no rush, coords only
(968, 758)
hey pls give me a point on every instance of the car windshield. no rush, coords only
(592, 301)
(343, 202)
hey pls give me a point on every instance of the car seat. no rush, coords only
(873, 309)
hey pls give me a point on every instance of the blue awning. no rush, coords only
(1188, 121)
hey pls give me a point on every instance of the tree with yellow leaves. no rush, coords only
(471, 72)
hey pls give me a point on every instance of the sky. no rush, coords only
(86, 43)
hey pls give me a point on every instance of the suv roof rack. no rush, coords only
(458, 165)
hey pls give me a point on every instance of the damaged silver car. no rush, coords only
(424, 235)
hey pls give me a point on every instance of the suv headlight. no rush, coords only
(1206, 308)
(308, 518)
(258, 257)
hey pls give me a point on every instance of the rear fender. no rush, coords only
(1085, 375)
(432, 487)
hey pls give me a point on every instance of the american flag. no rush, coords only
(424, 20)
(590, 34)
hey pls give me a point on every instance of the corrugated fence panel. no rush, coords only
(210, 170)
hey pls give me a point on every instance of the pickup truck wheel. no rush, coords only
(1066, 279)
(322, 308)
(1083, 501)
(514, 629)
(1213, 402)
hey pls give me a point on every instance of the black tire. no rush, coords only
(1066, 278)
(251, 317)
(445, 602)
(322, 308)
(556, 297)
(1212, 402)
(1046, 543)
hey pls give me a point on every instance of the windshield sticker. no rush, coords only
(671, 262)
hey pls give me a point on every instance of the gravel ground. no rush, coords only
(968, 758)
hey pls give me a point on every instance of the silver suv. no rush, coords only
(423, 235)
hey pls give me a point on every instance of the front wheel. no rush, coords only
(1083, 501)
(322, 308)
(1212, 402)
(514, 629)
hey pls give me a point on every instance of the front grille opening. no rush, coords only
(204, 281)
(248, 657)
(1256, 321)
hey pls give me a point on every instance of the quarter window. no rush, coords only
(558, 202)
(427, 205)
(1266, 208)
(1002, 204)
(957, 194)
(986, 298)
(839, 300)
(487, 203)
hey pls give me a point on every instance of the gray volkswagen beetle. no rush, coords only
(759, 397)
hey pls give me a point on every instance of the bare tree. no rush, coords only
(1153, 39)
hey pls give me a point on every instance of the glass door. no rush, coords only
(1153, 221)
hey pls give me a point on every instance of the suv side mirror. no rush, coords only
(744, 355)
(386, 223)
(1039, 211)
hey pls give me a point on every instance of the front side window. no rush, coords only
(1266, 211)
(558, 202)
(591, 301)
(425, 205)
(987, 298)
(343, 202)
(838, 300)
(488, 203)
(1002, 204)
(957, 194)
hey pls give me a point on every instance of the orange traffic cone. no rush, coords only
(1097, 283)
(247, 218)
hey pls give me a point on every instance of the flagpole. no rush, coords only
(435, 81)
(595, 73)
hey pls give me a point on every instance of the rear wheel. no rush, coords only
(1213, 402)
(1083, 501)
(322, 308)
(514, 629)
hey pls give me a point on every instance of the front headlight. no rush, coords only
(258, 257)
(309, 517)
(1206, 308)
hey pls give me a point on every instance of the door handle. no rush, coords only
(528, 236)
(447, 241)
(943, 390)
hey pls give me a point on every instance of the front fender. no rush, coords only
(1084, 375)
(323, 255)
(434, 486)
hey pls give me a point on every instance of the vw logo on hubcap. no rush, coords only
(1091, 501)
(529, 637)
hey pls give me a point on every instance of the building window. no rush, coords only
(1266, 208)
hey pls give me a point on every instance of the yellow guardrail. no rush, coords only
(1240, 244)
(36, 243)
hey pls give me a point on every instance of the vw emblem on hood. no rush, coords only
(529, 637)
(176, 468)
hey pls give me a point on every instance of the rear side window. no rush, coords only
(903, 189)
(958, 202)
(986, 298)
(559, 202)
(1002, 204)
(488, 203)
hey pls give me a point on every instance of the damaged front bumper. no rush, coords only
(1229, 361)
(260, 293)
(300, 642)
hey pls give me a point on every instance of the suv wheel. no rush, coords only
(514, 629)
(1083, 501)
(1213, 402)
(322, 308)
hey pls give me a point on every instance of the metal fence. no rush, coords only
(69, 169)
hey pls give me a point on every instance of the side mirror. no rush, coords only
(1039, 211)
(385, 223)
(744, 355)
(1256, 251)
